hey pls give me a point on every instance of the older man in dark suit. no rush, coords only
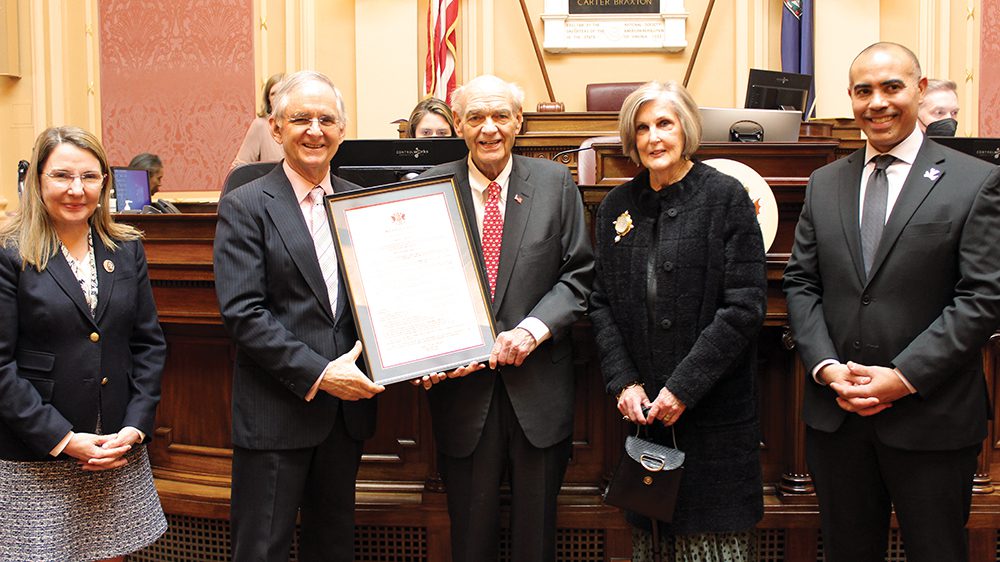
(517, 416)
(893, 287)
(301, 406)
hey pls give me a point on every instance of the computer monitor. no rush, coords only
(768, 89)
(718, 124)
(131, 189)
(987, 149)
(371, 162)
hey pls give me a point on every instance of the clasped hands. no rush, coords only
(863, 389)
(511, 348)
(666, 408)
(101, 452)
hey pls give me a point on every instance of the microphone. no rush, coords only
(22, 173)
(571, 151)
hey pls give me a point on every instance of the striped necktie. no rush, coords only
(322, 236)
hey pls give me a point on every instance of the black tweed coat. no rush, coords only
(678, 302)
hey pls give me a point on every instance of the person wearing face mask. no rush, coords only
(938, 109)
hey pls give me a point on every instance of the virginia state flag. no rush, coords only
(797, 40)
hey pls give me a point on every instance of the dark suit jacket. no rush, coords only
(54, 376)
(546, 270)
(275, 305)
(931, 301)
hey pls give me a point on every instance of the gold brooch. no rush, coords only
(623, 225)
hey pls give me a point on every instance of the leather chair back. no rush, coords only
(245, 174)
(609, 96)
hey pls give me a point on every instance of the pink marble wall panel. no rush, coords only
(177, 79)
(989, 70)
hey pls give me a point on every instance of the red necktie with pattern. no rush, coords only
(492, 234)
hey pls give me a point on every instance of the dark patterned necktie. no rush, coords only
(492, 234)
(873, 212)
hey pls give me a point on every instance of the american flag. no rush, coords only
(439, 75)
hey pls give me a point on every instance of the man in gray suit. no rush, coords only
(516, 417)
(893, 287)
(301, 406)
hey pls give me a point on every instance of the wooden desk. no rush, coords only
(401, 512)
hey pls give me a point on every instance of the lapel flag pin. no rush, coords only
(518, 198)
(109, 266)
(933, 174)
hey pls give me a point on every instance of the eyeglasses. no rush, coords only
(62, 178)
(323, 121)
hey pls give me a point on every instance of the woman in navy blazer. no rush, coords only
(81, 353)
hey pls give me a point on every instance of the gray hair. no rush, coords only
(683, 104)
(295, 82)
(486, 82)
(934, 84)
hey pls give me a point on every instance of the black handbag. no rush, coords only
(647, 479)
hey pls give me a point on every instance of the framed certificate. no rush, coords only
(413, 278)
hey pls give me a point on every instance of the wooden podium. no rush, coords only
(401, 512)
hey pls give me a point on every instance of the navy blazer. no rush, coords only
(276, 307)
(929, 304)
(546, 271)
(59, 366)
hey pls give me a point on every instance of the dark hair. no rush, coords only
(430, 105)
(265, 108)
(146, 161)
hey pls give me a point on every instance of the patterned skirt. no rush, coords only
(55, 511)
(705, 547)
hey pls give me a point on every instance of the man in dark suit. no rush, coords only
(893, 287)
(516, 416)
(301, 406)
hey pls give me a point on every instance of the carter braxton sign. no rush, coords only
(614, 6)
(614, 25)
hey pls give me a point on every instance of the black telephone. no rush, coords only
(166, 207)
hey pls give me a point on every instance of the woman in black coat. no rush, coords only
(679, 300)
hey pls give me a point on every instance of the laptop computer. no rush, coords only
(773, 125)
